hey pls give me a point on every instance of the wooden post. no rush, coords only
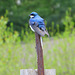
(39, 55)
(40, 70)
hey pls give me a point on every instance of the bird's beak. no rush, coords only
(30, 15)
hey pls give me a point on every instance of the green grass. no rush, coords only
(58, 54)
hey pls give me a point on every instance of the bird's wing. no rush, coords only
(38, 26)
(40, 32)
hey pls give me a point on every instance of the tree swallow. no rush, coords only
(37, 24)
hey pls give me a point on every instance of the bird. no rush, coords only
(37, 24)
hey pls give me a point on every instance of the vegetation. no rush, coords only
(18, 52)
(50, 10)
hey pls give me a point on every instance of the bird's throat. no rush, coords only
(32, 16)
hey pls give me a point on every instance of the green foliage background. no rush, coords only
(17, 41)
(50, 10)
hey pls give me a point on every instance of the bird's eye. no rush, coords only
(32, 14)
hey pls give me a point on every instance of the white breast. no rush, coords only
(32, 29)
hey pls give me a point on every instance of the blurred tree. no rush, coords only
(50, 10)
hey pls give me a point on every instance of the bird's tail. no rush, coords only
(41, 41)
(46, 33)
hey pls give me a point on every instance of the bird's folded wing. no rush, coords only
(40, 32)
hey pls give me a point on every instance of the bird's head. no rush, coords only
(33, 14)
